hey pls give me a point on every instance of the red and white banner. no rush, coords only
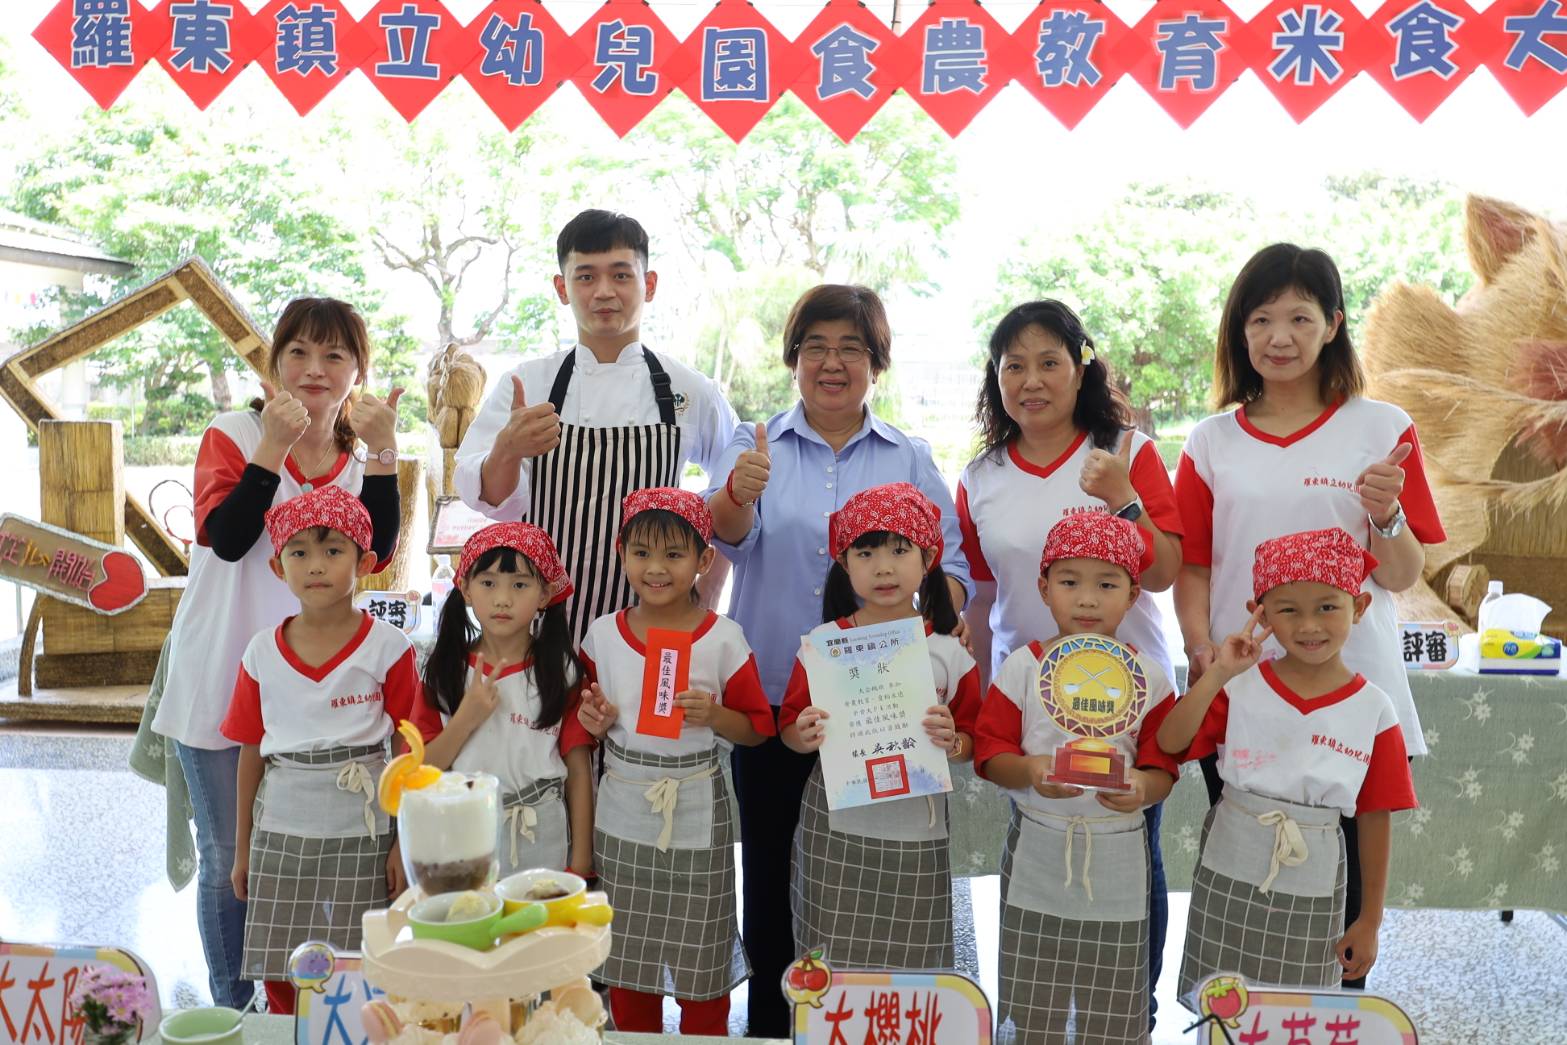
(952, 59)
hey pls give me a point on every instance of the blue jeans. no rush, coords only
(1158, 908)
(210, 778)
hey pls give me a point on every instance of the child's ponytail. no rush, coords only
(936, 602)
(446, 669)
(838, 598)
(556, 669)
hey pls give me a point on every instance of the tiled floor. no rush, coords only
(81, 860)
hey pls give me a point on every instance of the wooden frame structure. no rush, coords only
(191, 281)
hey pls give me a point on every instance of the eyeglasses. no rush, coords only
(848, 355)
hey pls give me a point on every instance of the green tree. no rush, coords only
(1382, 229)
(790, 207)
(462, 206)
(1148, 278)
(155, 190)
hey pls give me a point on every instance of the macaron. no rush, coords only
(481, 1029)
(380, 1021)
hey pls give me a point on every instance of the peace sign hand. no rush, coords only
(1380, 485)
(1108, 476)
(374, 420)
(1240, 651)
(481, 698)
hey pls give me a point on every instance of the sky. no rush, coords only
(1023, 175)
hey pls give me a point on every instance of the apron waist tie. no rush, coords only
(355, 777)
(1289, 844)
(930, 802)
(663, 795)
(1072, 824)
(521, 820)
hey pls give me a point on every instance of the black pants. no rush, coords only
(1210, 776)
(769, 785)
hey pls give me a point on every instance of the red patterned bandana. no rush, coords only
(330, 506)
(1098, 535)
(528, 541)
(1330, 557)
(897, 508)
(683, 503)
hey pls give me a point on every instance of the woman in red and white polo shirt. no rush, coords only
(1302, 450)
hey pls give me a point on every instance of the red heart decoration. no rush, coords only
(123, 584)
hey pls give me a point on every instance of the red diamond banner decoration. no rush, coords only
(102, 43)
(1421, 50)
(627, 47)
(962, 59)
(311, 46)
(1531, 64)
(1069, 53)
(735, 66)
(1305, 52)
(210, 43)
(851, 63)
(417, 48)
(1187, 54)
(524, 56)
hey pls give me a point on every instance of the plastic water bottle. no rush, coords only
(1493, 592)
(441, 583)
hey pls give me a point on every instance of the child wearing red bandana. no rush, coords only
(663, 839)
(1075, 877)
(316, 700)
(1301, 740)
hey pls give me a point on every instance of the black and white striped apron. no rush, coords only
(578, 486)
(1267, 894)
(318, 854)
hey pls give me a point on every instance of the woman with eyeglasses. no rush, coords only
(809, 460)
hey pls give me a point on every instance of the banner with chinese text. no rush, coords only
(952, 58)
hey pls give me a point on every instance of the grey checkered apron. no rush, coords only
(316, 864)
(1072, 978)
(1284, 935)
(872, 902)
(534, 830)
(675, 926)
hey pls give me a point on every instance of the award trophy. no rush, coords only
(1092, 687)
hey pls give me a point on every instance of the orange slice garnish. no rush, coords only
(406, 771)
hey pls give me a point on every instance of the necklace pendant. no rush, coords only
(307, 487)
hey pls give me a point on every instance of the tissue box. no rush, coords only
(1518, 653)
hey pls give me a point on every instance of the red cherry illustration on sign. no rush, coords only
(808, 979)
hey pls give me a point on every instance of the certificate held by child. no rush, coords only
(876, 684)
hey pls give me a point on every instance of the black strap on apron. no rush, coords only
(578, 486)
(663, 391)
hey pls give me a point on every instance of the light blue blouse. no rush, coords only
(781, 565)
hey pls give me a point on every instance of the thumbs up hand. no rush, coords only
(1108, 476)
(751, 470)
(1381, 483)
(530, 430)
(374, 420)
(283, 419)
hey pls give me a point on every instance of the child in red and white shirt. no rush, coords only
(507, 691)
(663, 840)
(871, 885)
(1301, 740)
(314, 704)
(1075, 877)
